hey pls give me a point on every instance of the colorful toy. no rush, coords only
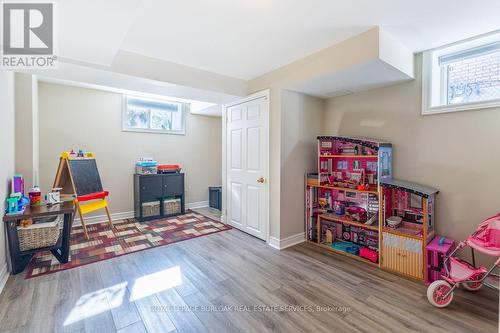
(368, 254)
(169, 168)
(403, 243)
(357, 213)
(35, 195)
(352, 250)
(12, 205)
(437, 249)
(78, 177)
(339, 208)
(486, 239)
(18, 184)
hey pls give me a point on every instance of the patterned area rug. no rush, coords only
(127, 237)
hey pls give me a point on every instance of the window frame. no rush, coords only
(184, 107)
(434, 77)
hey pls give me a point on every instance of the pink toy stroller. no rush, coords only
(486, 240)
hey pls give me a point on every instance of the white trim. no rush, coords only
(129, 215)
(198, 204)
(260, 94)
(104, 218)
(460, 107)
(4, 276)
(431, 87)
(284, 243)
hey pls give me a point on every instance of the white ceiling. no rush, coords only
(369, 75)
(247, 38)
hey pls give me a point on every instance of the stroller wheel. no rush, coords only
(472, 286)
(436, 292)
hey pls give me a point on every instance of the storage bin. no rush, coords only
(42, 233)
(146, 170)
(151, 208)
(172, 206)
(215, 197)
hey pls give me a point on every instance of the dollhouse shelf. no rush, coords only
(346, 189)
(329, 248)
(344, 220)
(348, 156)
(400, 233)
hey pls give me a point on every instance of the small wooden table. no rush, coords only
(20, 259)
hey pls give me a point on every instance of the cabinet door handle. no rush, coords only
(144, 188)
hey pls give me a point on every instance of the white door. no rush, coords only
(247, 166)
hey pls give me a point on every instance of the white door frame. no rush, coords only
(266, 94)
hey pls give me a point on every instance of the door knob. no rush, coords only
(260, 180)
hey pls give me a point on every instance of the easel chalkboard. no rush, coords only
(78, 177)
(85, 176)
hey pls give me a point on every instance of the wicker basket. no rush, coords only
(172, 206)
(38, 235)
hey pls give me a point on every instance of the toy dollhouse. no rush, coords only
(342, 203)
(408, 215)
(355, 208)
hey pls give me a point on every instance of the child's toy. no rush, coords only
(437, 250)
(339, 207)
(368, 254)
(169, 168)
(25, 223)
(322, 203)
(403, 248)
(341, 246)
(35, 195)
(12, 205)
(356, 213)
(18, 184)
(53, 197)
(78, 177)
(363, 187)
(394, 221)
(352, 250)
(346, 247)
(486, 239)
(328, 232)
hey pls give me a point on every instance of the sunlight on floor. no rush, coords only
(97, 302)
(154, 283)
(105, 299)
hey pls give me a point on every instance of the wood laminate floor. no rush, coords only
(232, 282)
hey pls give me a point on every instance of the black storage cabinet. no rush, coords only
(153, 190)
(215, 197)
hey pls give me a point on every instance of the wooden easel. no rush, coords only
(78, 177)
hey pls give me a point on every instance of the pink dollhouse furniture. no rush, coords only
(436, 253)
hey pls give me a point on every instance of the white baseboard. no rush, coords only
(129, 215)
(281, 244)
(4, 275)
(104, 218)
(198, 204)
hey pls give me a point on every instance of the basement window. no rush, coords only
(462, 76)
(153, 116)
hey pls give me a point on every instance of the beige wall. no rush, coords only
(7, 140)
(455, 152)
(79, 118)
(358, 49)
(302, 120)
